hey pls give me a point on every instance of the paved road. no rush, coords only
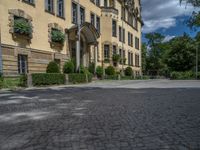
(100, 119)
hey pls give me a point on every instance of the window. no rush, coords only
(124, 56)
(105, 3)
(106, 52)
(49, 6)
(82, 15)
(130, 39)
(60, 9)
(129, 58)
(74, 13)
(22, 64)
(114, 28)
(92, 19)
(114, 50)
(120, 34)
(124, 35)
(98, 24)
(137, 60)
(32, 2)
(120, 54)
(123, 11)
(137, 43)
(98, 2)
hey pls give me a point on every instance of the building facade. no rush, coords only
(35, 32)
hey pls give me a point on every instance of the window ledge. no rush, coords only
(31, 4)
(52, 13)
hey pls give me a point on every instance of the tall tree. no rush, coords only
(144, 57)
(181, 56)
(194, 21)
(154, 54)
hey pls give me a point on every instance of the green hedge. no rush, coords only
(189, 75)
(1, 82)
(111, 77)
(39, 79)
(79, 78)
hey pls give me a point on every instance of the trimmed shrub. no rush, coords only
(53, 67)
(91, 68)
(68, 67)
(99, 71)
(23, 81)
(111, 77)
(39, 79)
(110, 70)
(77, 78)
(128, 71)
(1, 81)
(182, 75)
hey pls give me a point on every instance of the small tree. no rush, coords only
(110, 70)
(68, 67)
(99, 71)
(53, 67)
(128, 71)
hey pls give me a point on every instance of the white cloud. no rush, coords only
(159, 14)
(168, 38)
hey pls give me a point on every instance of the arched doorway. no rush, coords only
(89, 36)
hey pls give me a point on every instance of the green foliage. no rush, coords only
(1, 81)
(23, 81)
(116, 58)
(182, 75)
(181, 55)
(53, 67)
(91, 68)
(80, 78)
(39, 79)
(57, 36)
(106, 60)
(22, 26)
(128, 71)
(99, 71)
(144, 57)
(84, 70)
(68, 67)
(110, 70)
(10, 82)
(111, 77)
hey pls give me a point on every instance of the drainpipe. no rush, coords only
(1, 60)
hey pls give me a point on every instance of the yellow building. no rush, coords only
(35, 32)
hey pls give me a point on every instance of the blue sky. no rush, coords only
(166, 17)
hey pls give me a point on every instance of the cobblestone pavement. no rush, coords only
(100, 119)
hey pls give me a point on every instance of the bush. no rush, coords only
(128, 71)
(47, 79)
(110, 70)
(84, 70)
(68, 67)
(99, 71)
(79, 78)
(1, 81)
(22, 26)
(23, 81)
(91, 68)
(182, 75)
(111, 77)
(53, 67)
(57, 36)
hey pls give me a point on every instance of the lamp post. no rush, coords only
(78, 41)
(1, 60)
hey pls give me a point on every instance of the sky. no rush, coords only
(167, 17)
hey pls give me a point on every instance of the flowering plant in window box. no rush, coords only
(22, 27)
(57, 36)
